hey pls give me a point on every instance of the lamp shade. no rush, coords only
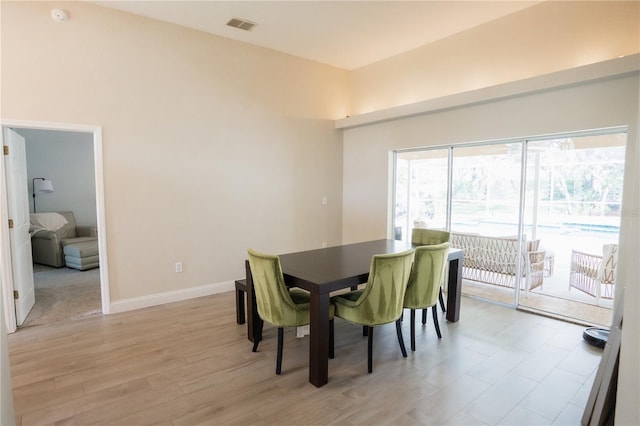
(42, 186)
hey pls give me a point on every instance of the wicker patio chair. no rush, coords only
(595, 274)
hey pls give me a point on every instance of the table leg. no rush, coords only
(252, 310)
(240, 298)
(319, 340)
(454, 289)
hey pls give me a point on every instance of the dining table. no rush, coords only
(326, 270)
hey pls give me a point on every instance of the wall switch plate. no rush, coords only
(324, 200)
(178, 267)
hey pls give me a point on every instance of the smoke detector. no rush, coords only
(59, 15)
(242, 24)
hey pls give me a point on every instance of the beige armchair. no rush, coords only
(47, 244)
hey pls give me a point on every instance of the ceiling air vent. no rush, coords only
(243, 24)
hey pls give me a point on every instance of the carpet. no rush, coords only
(63, 293)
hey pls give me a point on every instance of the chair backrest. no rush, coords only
(382, 299)
(69, 229)
(272, 296)
(533, 245)
(426, 275)
(607, 269)
(424, 236)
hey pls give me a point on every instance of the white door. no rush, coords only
(18, 212)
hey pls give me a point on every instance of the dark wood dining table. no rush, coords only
(325, 270)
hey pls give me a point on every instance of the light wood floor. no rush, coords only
(190, 363)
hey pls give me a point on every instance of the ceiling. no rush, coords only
(344, 34)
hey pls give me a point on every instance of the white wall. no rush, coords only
(367, 148)
(598, 104)
(627, 407)
(65, 158)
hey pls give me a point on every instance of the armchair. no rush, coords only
(380, 302)
(276, 304)
(424, 282)
(595, 274)
(47, 242)
(425, 236)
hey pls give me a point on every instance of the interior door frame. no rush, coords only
(5, 263)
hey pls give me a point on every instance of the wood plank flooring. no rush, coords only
(189, 363)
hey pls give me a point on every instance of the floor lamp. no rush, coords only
(41, 186)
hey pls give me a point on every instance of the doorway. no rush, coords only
(95, 133)
(65, 160)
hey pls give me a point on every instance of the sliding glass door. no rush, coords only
(573, 205)
(538, 219)
(484, 216)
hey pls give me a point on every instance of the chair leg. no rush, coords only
(434, 311)
(424, 316)
(279, 357)
(442, 305)
(401, 339)
(413, 329)
(370, 350)
(331, 339)
(365, 330)
(257, 333)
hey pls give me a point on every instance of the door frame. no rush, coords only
(5, 263)
(524, 141)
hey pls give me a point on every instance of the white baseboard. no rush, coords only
(171, 296)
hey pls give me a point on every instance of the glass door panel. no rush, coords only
(485, 209)
(421, 191)
(572, 208)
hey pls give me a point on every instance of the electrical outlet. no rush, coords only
(324, 200)
(324, 245)
(178, 267)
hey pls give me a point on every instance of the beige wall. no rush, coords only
(549, 37)
(210, 146)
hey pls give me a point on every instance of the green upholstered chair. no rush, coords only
(427, 237)
(422, 291)
(380, 301)
(278, 305)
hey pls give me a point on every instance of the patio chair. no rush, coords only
(594, 274)
(536, 269)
